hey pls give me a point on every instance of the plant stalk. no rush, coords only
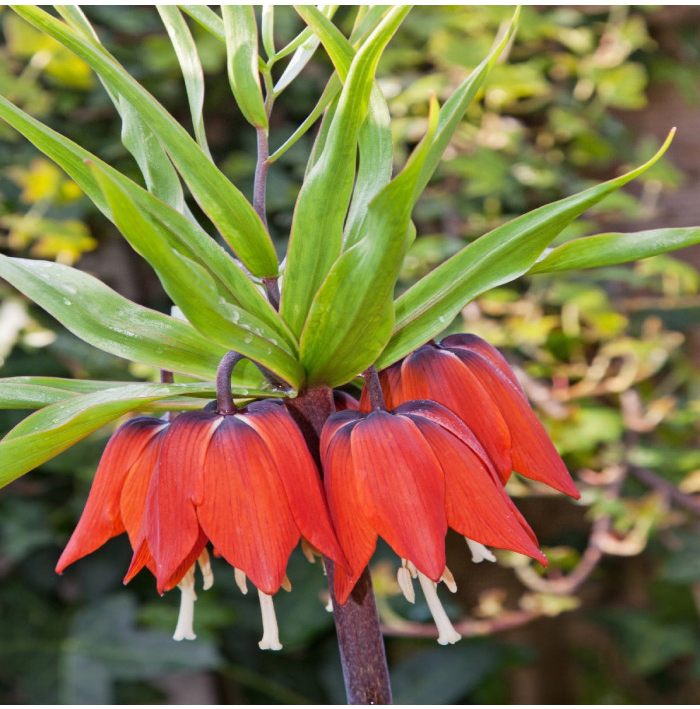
(224, 398)
(362, 653)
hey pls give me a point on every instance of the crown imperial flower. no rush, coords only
(406, 476)
(472, 379)
(243, 481)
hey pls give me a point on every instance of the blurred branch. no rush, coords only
(667, 489)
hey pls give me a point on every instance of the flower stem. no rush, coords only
(374, 389)
(224, 397)
(360, 639)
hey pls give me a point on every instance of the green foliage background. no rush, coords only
(565, 110)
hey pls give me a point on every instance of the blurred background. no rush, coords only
(609, 358)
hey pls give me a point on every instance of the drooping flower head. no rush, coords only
(243, 481)
(406, 476)
(473, 380)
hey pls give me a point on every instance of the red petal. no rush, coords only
(244, 510)
(298, 473)
(477, 505)
(346, 504)
(101, 519)
(431, 373)
(534, 454)
(403, 487)
(475, 344)
(135, 490)
(170, 526)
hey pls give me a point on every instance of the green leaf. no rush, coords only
(241, 32)
(207, 18)
(498, 257)
(192, 73)
(191, 240)
(609, 249)
(235, 218)
(138, 138)
(456, 106)
(195, 292)
(333, 86)
(317, 228)
(306, 45)
(105, 319)
(49, 431)
(37, 392)
(374, 139)
(352, 315)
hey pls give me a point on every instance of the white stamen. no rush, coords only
(205, 567)
(270, 639)
(286, 583)
(185, 619)
(449, 580)
(240, 580)
(447, 635)
(403, 576)
(329, 605)
(411, 568)
(479, 552)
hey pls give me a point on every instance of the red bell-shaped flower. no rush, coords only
(472, 379)
(244, 481)
(118, 493)
(406, 476)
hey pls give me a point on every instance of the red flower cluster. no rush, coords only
(458, 425)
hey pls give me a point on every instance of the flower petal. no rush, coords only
(437, 374)
(534, 454)
(476, 344)
(101, 519)
(298, 473)
(170, 526)
(404, 488)
(477, 506)
(244, 509)
(346, 504)
(135, 489)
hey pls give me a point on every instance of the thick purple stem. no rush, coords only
(362, 653)
(374, 389)
(224, 397)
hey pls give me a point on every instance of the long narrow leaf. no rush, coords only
(352, 314)
(191, 240)
(105, 319)
(498, 257)
(241, 33)
(374, 139)
(138, 138)
(49, 431)
(609, 249)
(194, 290)
(38, 392)
(455, 107)
(207, 18)
(191, 66)
(219, 198)
(306, 49)
(317, 228)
